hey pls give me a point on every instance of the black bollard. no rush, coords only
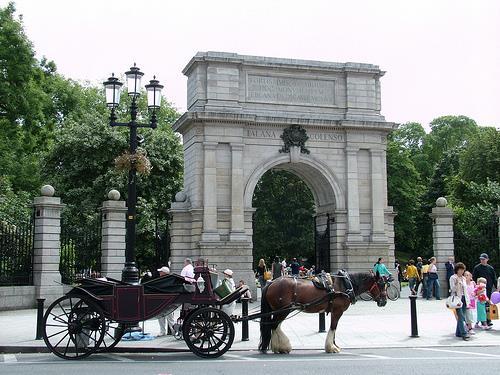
(322, 322)
(413, 315)
(244, 322)
(39, 318)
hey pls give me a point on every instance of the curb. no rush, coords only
(43, 349)
(13, 349)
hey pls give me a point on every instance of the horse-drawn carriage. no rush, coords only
(93, 316)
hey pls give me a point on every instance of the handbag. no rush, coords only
(453, 302)
(267, 275)
(493, 312)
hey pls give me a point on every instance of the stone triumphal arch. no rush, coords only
(319, 120)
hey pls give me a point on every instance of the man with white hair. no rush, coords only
(188, 270)
(169, 317)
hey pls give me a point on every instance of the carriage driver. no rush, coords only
(188, 270)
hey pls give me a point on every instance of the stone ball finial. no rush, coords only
(114, 195)
(180, 196)
(441, 202)
(47, 191)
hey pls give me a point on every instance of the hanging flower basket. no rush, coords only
(140, 160)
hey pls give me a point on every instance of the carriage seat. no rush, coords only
(323, 281)
(171, 283)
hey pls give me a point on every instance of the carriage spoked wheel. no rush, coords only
(73, 327)
(208, 332)
(112, 336)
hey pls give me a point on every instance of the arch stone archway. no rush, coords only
(319, 120)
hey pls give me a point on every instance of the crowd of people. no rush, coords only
(281, 268)
(472, 289)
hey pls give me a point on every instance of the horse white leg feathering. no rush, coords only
(330, 346)
(280, 344)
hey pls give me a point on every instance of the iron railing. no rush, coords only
(468, 247)
(16, 253)
(80, 251)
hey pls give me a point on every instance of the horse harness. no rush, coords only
(324, 281)
(348, 285)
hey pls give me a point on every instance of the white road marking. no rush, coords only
(283, 359)
(118, 357)
(239, 357)
(367, 355)
(9, 358)
(459, 352)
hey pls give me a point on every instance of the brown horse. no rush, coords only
(300, 294)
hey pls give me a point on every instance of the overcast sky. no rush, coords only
(441, 57)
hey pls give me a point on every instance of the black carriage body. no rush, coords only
(93, 316)
(128, 303)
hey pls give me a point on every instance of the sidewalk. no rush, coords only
(364, 325)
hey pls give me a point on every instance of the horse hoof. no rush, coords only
(263, 351)
(333, 349)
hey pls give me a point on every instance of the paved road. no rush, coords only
(442, 361)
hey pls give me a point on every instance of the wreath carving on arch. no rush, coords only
(295, 135)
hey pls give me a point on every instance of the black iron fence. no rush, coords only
(153, 248)
(468, 247)
(16, 253)
(80, 251)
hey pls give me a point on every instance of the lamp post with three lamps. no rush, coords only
(113, 86)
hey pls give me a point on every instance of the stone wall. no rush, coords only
(17, 297)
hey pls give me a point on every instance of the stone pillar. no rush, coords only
(113, 213)
(46, 247)
(353, 228)
(442, 239)
(237, 210)
(378, 199)
(210, 232)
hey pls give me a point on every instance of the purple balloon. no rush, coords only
(495, 297)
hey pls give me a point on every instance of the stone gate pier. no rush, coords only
(319, 120)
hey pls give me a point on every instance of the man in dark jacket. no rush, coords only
(483, 269)
(295, 267)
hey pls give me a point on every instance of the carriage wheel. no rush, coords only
(208, 332)
(366, 296)
(112, 335)
(74, 327)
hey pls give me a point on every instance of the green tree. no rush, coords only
(404, 192)
(81, 167)
(447, 133)
(480, 160)
(412, 137)
(283, 221)
(14, 208)
(34, 99)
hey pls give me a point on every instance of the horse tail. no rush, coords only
(266, 322)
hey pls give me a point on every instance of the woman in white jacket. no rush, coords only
(458, 288)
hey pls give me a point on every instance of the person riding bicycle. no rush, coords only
(382, 270)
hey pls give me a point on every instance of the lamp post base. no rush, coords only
(130, 273)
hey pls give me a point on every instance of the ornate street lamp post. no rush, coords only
(130, 273)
